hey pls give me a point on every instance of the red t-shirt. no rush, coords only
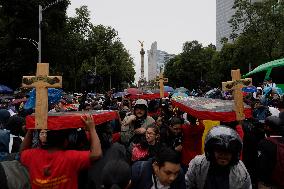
(54, 170)
(192, 142)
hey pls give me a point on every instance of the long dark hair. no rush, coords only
(116, 175)
(104, 132)
(57, 138)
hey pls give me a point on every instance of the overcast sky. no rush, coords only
(169, 22)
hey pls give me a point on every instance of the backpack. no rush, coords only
(261, 113)
(138, 152)
(14, 175)
(278, 171)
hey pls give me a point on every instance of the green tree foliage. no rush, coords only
(261, 25)
(257, 38)
(71, 45)
(191, 66)
(19, 25)
(96, 47)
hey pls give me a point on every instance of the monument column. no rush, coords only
(142, 53)
(142, 80)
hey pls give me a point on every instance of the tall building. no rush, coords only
(157, 59)
(224, 12)
(152, 61)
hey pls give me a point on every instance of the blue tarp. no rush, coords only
(54, 96)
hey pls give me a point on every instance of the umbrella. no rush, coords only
(168, 89)
(148, 92)
(213, 93)
(181, 89)
(179, 94)
(277, 90)
(133, 91)
(249, 89)
(68, 98)
(7, 97)
(4, 89)
(155, 91)
(267, 66)
(19, 101)
(118, 94)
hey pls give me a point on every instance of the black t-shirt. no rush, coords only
(252, 136)
(266, 160)
(217, 177)
(17, 141)
(115, 152)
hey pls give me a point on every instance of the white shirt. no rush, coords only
(274, 111)
(272, 85)
(159, 185)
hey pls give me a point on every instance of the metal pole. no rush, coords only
(95, 65)
(110, 81)
(39, 32)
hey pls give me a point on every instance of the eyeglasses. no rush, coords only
(150, 133)
(44, 133)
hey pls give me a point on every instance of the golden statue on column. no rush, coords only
(142, 80)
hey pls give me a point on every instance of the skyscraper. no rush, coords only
(156, 60)
(224, 12)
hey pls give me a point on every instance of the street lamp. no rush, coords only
(40, 10)
(33, 42)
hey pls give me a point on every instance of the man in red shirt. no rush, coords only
(192, 140)
(54, 167)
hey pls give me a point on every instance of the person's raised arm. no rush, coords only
(27, 142)
(95, 148)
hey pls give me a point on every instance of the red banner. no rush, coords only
(209, 109)
(147, 96)
(66, 120)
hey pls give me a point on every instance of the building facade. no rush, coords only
(157, 60)
(224, 12)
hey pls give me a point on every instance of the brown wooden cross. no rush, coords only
(161, 80)
(41, 82)
(236, 85)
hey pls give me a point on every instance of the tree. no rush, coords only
(171, 69)
(72, 46)
(191, 65)
(258, 38)
(114, 63)
(262, 24)
(19, 25)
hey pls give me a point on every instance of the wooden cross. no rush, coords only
(41, 82)
(236, 85)
(161, 80)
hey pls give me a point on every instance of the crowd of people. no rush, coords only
(152, 145)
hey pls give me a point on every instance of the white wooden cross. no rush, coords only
(41, 82)
(161, 80)
(236, 85)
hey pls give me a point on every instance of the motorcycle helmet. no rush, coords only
(225, 139)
